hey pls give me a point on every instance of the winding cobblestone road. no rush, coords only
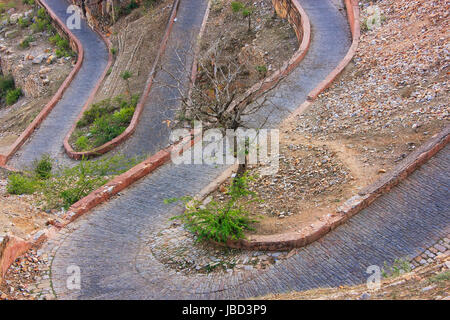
(110, 244)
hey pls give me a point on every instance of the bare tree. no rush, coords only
(214, 96)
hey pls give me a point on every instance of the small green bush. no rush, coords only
(12, 96)
(246, 12)
(104, 130)
(129, 7)
(262, 69)
(42, 22)
(399, 267)
(62, 45)
(104, 121)
(23, 22)
(42, 14)
(43, 167)
(441, 277)
(236, 6)
(220, 221)
(20, 184)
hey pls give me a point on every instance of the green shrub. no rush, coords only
(39, 25)
(13, 95)
(246, 12)
(43, 167)
(23, 22)
(6, 84)
(220, 221)
(28, 2)
(399, 267)
(42, 14)
(42, 22)
(20, 184)
(69, 184)
(236, 6)
(97, 110)
(26, 42)
(262, 69)
(104, 130)
(129, 7)
(83, 143)
(62, 45)
(441, 277)
(104, 120)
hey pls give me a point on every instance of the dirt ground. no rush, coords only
(15, 118)
(19, 215)
(270, 42)
(392, 98)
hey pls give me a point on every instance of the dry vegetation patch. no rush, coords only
(390, 99)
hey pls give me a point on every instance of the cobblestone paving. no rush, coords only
(411, 222)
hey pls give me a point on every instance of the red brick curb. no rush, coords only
(58, 95)
(139, 108)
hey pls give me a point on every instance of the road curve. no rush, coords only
(48, 138)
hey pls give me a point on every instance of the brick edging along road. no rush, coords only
(57, 96)
(139, 108)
